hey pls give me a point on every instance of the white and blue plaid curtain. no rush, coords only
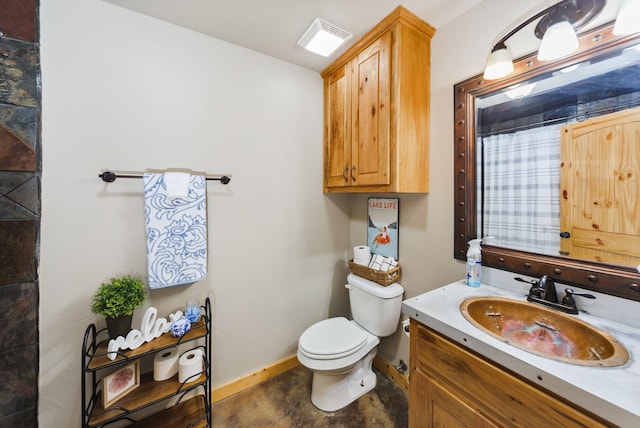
(519, 189)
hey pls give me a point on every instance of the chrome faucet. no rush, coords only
(543, 291)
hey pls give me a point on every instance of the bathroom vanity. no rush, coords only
(462, 376)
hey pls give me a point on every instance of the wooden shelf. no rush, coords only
(149, 395)
(99, 359)
(149, 392)
(188, 414)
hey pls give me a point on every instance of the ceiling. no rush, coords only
(273, 27)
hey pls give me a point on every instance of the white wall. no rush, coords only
(127, 92)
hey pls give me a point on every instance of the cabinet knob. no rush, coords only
(344, 174)
(353, 169)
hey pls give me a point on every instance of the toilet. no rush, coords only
(340, 352)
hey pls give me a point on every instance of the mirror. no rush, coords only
(604, 74)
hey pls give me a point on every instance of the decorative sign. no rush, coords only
(150, 328)
(382, 230)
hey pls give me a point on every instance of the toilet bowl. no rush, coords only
(340, 352)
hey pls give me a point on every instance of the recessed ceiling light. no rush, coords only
(520, 91)
(569, 69)
(323, 38)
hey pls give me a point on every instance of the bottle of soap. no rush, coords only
(474, 263)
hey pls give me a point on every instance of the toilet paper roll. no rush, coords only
(405, 326)
(165, 364)
(190, 365)
(362, 255)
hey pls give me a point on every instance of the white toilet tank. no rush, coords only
(374, 307)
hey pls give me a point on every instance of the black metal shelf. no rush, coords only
(150, 392)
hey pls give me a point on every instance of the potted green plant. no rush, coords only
(116, 300)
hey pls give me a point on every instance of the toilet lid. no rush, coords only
(332, 338)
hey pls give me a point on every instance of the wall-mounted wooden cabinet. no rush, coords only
(376, 110)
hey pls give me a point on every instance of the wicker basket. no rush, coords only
(379, 276)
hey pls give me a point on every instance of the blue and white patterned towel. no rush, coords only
(176, 232)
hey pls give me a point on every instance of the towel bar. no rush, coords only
(110, 176)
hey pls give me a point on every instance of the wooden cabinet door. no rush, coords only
(371, 114)
(439, 408)
(376, 102)
(451, 386)
(600, 188)
(337, 155)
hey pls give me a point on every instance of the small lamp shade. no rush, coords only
(628, 21)
(499, 64)
(559, 40)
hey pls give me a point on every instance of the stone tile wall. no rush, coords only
(20, 167)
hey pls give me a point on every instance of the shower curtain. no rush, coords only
(519, 189)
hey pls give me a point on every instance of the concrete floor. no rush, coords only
(285, 401)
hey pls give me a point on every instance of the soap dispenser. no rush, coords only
(474, 263)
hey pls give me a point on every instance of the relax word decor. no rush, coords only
(151, 327)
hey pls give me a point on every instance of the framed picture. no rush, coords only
(120, 383)
(382, 230)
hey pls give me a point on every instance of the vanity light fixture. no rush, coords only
(323, 38)
(628, 20)
(558, 41)
(557, 29)
(499, 64)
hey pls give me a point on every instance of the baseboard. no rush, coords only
(389, 370)
(254, 378)
(288, 363)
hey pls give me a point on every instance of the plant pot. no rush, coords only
(120, 326)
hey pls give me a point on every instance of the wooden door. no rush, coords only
(600, 188)
(337, 144)
(371, 114)
(441, 408)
